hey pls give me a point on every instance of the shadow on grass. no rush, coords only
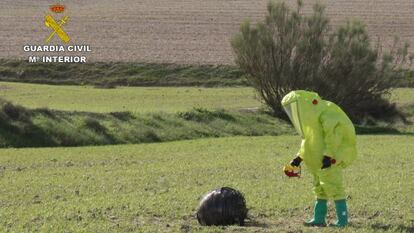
(23, 133)
(18, 129)
(378, 130)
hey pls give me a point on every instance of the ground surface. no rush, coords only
(156, 187)
(185, 31)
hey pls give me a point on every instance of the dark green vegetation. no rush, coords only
(290, 50)
(407, 79)
(110, 75)
(21, 127)
(156, 187)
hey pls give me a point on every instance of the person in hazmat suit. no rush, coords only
(328, 146)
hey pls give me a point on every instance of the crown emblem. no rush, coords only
(57, 8)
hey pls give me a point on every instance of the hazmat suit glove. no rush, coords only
(296, 161)
(293, 169)
(327, 162)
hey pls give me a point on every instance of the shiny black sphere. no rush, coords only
(222, 206)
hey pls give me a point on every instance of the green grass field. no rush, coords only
(144, 99)
(134, 99)
(156, 187)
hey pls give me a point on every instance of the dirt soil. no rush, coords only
(179, 31)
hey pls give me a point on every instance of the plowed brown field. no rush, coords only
(179, 31)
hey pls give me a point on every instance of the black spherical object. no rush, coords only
(223, 206)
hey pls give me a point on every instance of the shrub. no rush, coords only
(94, 125)
(290, 51)
(123, 116)
(105, 85)
(15, 112)
(204, 115)
(150, 136)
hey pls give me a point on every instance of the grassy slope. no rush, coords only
(21, 127)
(134, 99)
(156, 187)
(123, 74)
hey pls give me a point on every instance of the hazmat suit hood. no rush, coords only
(303, 109)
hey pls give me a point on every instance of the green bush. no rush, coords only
(406, 78)
(14, 112)
(204, 115)
(291, 51)
(94, 125)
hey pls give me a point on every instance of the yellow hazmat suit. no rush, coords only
(326, 131)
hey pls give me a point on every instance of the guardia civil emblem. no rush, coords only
(56, 26)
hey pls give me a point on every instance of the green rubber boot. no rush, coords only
(319, 214)
(341, 213)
